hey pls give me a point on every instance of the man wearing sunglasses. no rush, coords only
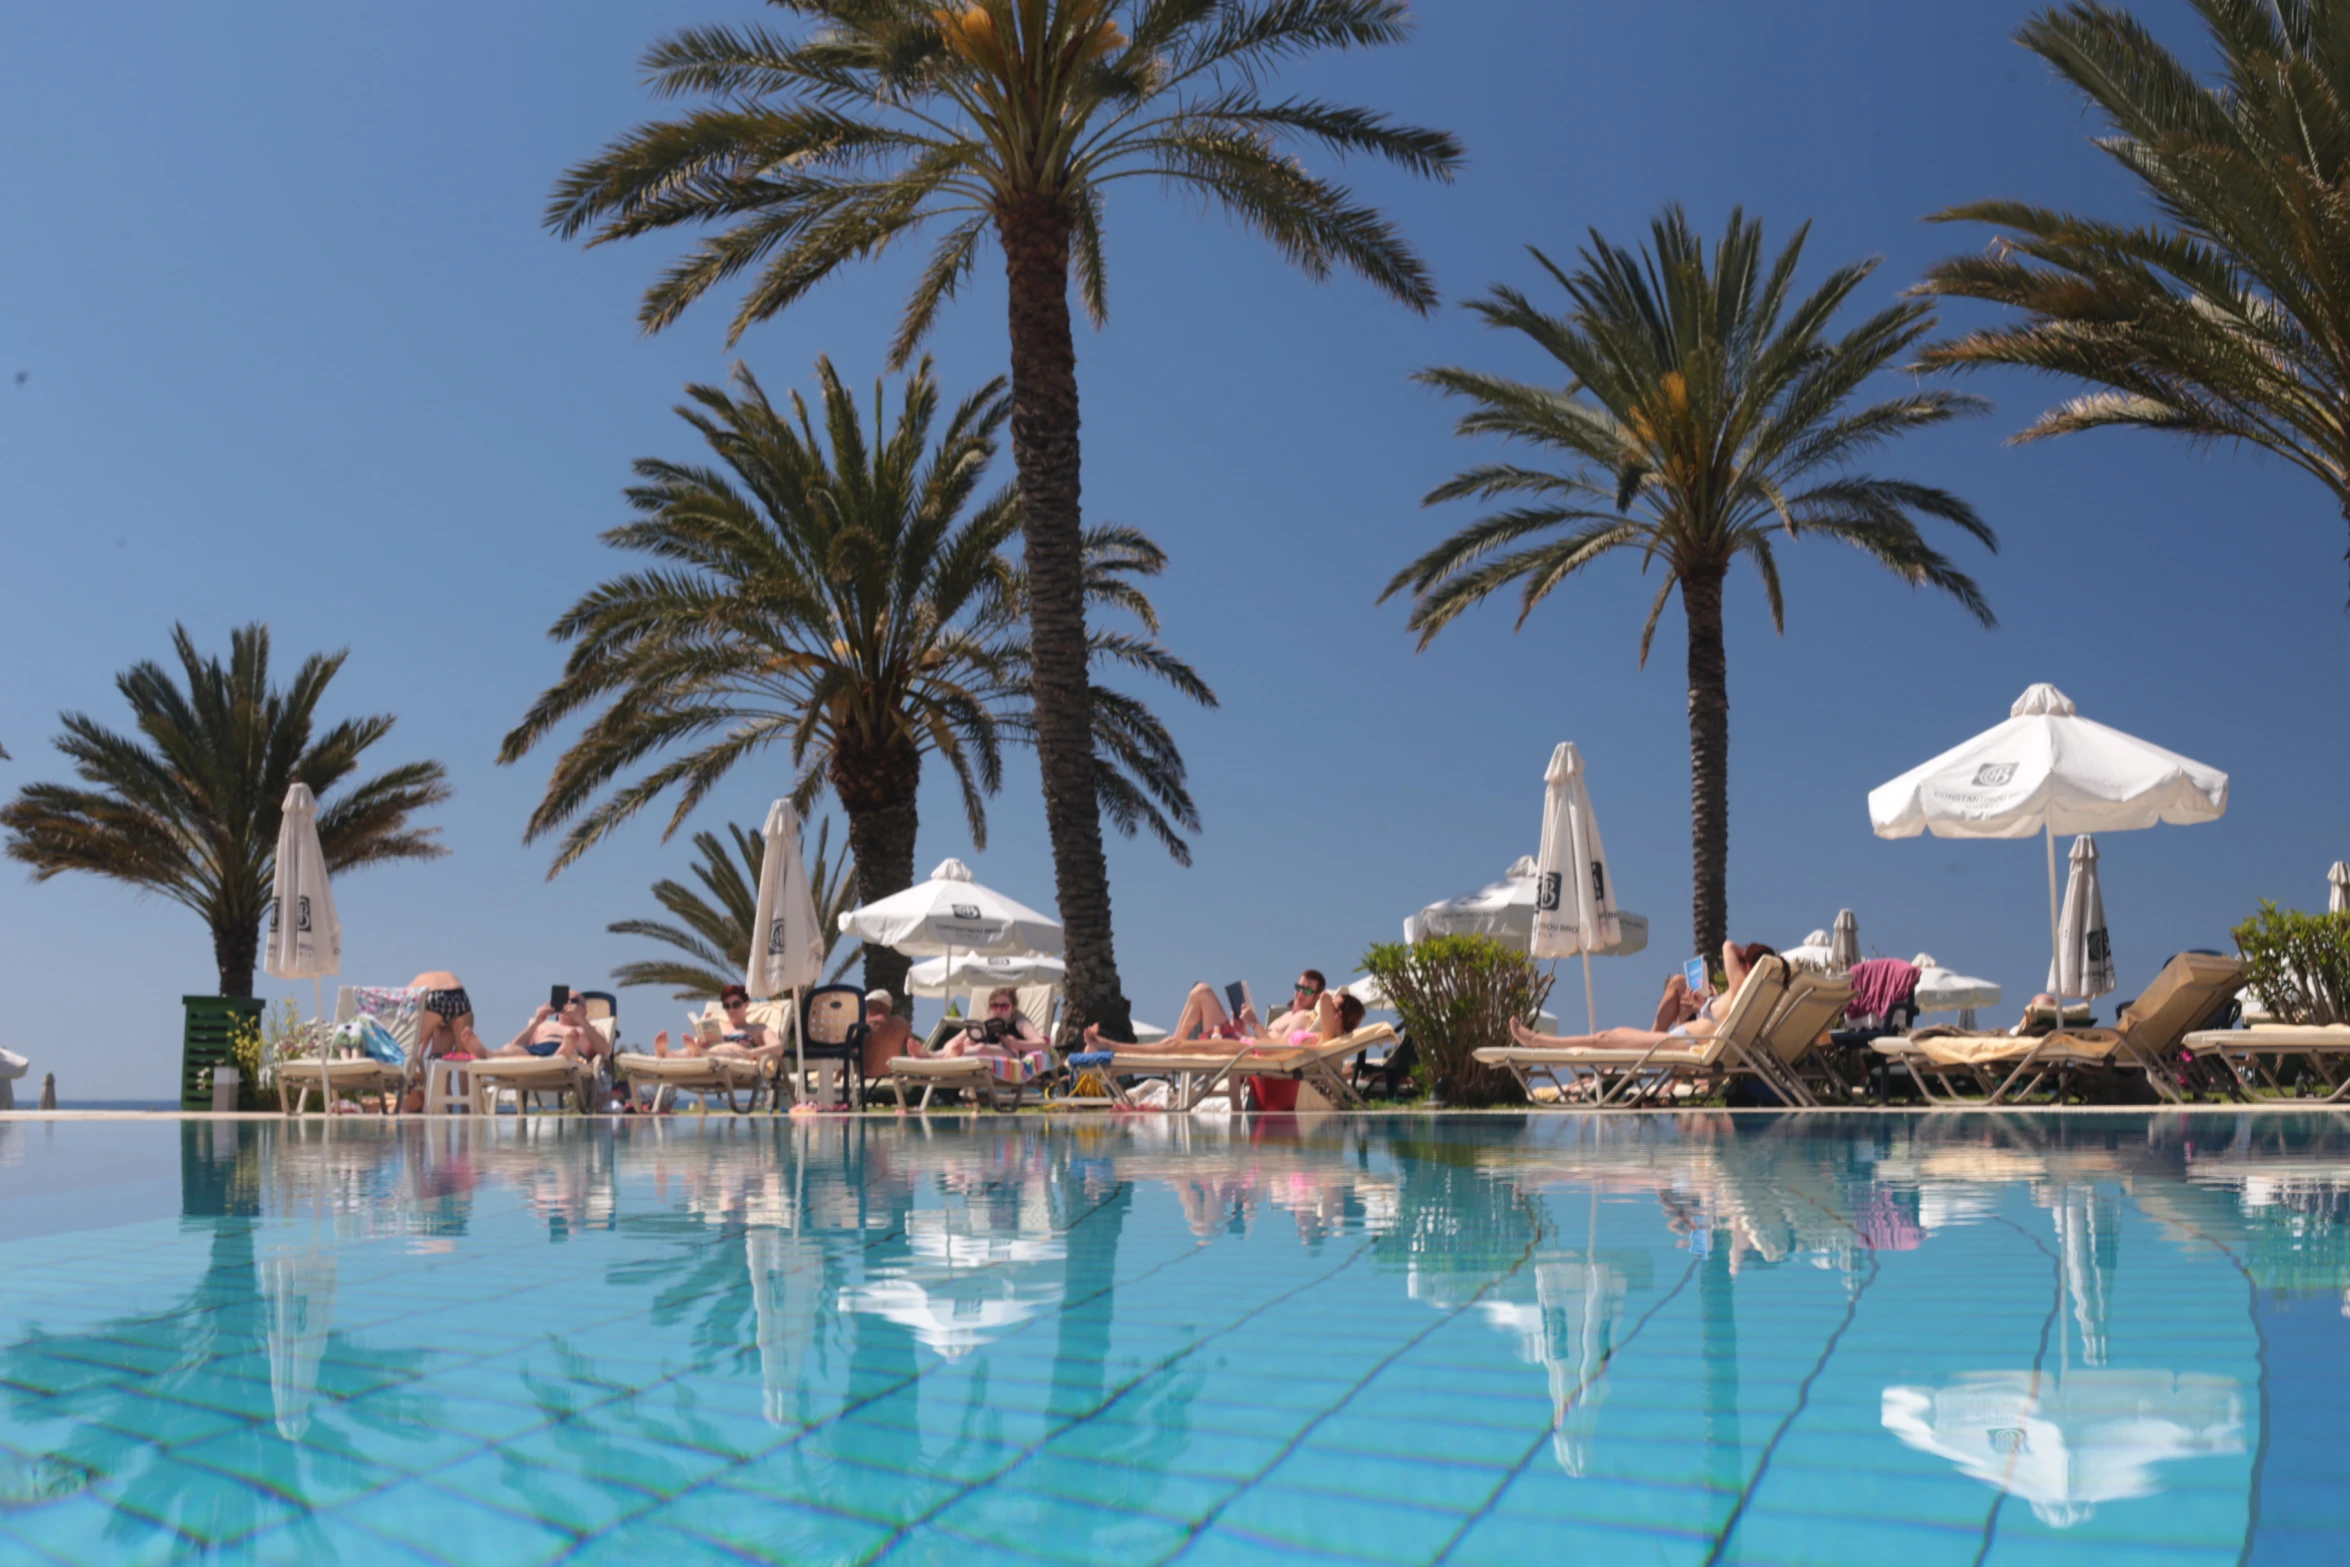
(1204, 1017)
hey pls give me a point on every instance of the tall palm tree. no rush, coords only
(190, 807)
(1707, 415)
(713, 927)
(846, 598)
(2228, 317)
(1011, 119)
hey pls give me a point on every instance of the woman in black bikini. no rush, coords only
(444, 1023)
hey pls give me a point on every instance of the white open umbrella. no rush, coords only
(1815, 950)
(2047, 770)
(951, 913)
(1504, 910)
(968, 971)
(305, 932)
(2084, 952)
(2338, 884)
(788, 943)
(1574, 899)
(1844, 943)
(1946, 990)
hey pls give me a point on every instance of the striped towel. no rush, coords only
(1018, 1069)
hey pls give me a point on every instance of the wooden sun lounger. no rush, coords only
(2260, 1048)
(740, 1079)
(1629, 1078)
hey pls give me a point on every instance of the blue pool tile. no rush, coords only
(551, 1493)
(770, 1531)
(1367, 1531)
(88, 1532)
(205, 1505)
(454, 1528)
(814, 1478)
(636, 1545)
(308, 1477)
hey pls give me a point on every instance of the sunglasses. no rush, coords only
(734, 1001)
(999, 1006)
(1303, 989)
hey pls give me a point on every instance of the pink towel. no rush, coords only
(1880, 985)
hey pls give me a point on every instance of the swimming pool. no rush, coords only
(1477, 1340)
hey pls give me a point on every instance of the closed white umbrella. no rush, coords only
(952, 913)
(2047, 770)
(1504, 910)
(968, 971)
(301, 1299)
(2084, 952)
(1844, 944)
(2338, 881)
(1574, 898)
(305, 932)
(787, 942)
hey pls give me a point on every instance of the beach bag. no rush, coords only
(370, 1038)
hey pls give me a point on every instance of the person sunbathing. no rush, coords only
(1682, 1016)
(551, 1033)
(887, 1035)
(1005, 1031)
(738, 1035)
(1204, 1017)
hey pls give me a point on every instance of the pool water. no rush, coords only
(1477, 1340)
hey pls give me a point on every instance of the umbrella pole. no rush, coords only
(799, 1048)
(2055, 927)
(1590, 1002)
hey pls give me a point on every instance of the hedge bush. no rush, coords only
(1457, 994)
(2298, 964)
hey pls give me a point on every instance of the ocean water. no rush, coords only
(1481, 1340)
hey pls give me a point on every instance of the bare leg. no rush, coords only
(1605, 1039)
(1203, 1010)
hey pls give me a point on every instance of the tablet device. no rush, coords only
(1693, 971)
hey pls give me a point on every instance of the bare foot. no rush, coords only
(661, 1043)
(1523, 1035)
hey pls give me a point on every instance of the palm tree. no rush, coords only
(190, 807)
(713, 926)
(847, 599)
(1704, 418)
(1009, 118)
(2227, 318)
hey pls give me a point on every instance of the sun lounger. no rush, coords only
(2004, 1068)
(1639, 1076)
(2261, 1048)
(526, 1077)
(979, 1076)
(354, 1072)
(1785, 1057)
(1216, 1063)
(741, 1080)
(2009, 1068)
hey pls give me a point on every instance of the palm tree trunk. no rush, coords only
(1709, 764)
(878, 793)
(236, 948)
(1045, 450)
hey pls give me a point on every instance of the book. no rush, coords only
(1238, 999)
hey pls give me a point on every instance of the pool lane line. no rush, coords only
(1534, 1448)
(1163, 1364)
(1533, 1246)
(1999, 1493)
(2259, 1358)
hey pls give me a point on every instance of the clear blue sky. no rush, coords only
(294, 346)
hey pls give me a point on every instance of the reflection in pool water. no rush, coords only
(1694, 1338)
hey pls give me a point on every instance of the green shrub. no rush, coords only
(2298, 964)
(1456, 995)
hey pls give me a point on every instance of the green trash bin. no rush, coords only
(205, 1044)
